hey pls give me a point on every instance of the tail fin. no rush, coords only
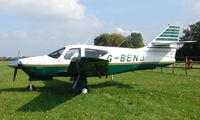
(167, 37)
(171, 33)
(163, 47)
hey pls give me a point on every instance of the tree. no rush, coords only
(105, 39)
(134, 40)
(191, 34)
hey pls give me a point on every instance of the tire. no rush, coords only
(30, 89)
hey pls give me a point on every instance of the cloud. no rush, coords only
(51, 13)
(13, 36)
(123, 32)
(58, 8)
(29, 43)
(197, 7)
(19, 35)
(192, 5)
(46, 24)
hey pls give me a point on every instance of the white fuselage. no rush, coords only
(114, 55)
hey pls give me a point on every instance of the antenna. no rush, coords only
(88, 39)
(18, 54)
(121, 43)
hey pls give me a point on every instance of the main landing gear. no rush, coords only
(86, 90)
(30, 87)
(80, 84)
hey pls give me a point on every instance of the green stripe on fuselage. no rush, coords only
(115, 68)
(42, 72)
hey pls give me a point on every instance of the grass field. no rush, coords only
(144, 95)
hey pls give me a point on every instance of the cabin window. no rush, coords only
(73, 52)
(94, 52)
(57, 53)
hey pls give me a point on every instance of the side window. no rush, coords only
(94, 52)
(74, 52)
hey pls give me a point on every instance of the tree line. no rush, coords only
(134, 40)
(190, 34)
(7, 58)
(11, 58)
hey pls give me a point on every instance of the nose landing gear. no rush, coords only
(30, 87)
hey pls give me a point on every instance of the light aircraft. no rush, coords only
(82, 61)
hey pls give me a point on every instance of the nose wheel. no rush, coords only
(30, 87)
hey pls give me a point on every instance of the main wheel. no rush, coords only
(86, 90)
(30, 88)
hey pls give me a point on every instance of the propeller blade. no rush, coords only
(15, 73)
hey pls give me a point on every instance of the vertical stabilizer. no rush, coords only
(171, 33)
(163, 47)
(168, 36)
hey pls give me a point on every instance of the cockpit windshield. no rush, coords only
(57, 53)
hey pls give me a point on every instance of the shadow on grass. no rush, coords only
(111, 83)
(54, 93)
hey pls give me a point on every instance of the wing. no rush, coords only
(88, 66)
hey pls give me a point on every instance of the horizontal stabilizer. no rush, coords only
(155, 43)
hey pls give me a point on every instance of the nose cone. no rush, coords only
(14, 64)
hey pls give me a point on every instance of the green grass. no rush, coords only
(144, 95)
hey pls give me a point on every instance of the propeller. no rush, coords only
(15, 64)
(15, 73)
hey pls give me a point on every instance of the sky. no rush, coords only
(38, 27)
